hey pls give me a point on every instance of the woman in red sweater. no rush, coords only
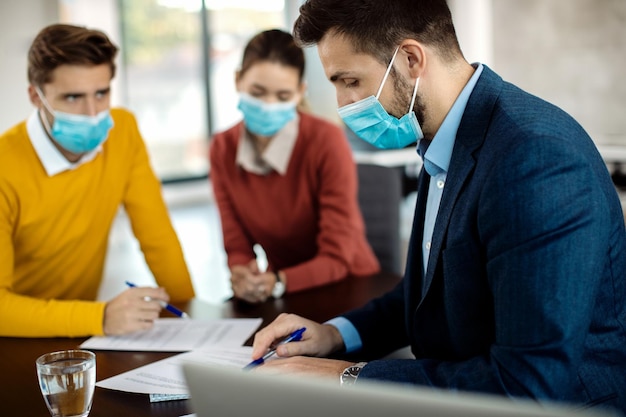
(285, 180)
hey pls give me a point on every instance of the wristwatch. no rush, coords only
(279, 287)
(351, 373)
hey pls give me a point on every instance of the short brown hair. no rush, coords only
(61, 44)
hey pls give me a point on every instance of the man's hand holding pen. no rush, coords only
(295, 336)
(136, 309)
(130, 312)
(318, 340)
(163, 304)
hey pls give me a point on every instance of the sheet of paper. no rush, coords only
(166, 377)
(179, 335)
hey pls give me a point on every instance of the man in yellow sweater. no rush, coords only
(64, 172)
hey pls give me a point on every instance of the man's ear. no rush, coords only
(34, 97)
(415, 56)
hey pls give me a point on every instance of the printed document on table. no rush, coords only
(166, 377)
(179, 335)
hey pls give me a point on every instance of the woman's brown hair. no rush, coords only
(275, 46)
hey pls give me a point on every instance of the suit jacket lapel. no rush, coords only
(470, 137)
(414, 269)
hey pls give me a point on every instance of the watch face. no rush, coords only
(354, 371)
(351, 373)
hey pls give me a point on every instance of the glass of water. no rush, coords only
(67, 380)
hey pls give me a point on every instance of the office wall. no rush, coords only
(474, 28)
(20, 21)
(570, 52)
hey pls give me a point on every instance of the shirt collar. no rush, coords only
(277, 154)
(437, 157)
(51, 158)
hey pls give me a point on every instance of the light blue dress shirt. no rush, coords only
(436, 163)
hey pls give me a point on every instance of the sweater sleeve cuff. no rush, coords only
(87, 319)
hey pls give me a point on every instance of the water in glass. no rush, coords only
(67, 381)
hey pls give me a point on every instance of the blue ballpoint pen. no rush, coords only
(165, 305)
(293, 337)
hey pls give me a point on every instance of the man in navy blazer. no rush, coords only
(516, 275)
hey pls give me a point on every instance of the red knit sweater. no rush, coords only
(307, 221)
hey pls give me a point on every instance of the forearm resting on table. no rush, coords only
(22, 316)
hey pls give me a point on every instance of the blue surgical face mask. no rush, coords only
(265, 119)
(369, 120)
(77, 133)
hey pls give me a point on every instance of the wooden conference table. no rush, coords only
(20, 395)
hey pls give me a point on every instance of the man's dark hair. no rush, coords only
(61, 44)
(376, 27)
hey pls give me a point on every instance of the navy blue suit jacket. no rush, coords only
(525, 292)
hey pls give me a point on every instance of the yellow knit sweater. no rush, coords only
(54, 232)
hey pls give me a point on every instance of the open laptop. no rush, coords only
(220, 391)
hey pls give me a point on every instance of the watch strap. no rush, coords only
(279, 286)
